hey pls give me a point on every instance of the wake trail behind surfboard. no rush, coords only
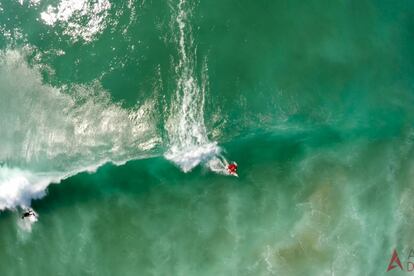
(189, 144)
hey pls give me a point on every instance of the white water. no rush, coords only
(189, 143)
(72, 14)
(25, 224)
(48, 133)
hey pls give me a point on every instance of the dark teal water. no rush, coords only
(134, 108)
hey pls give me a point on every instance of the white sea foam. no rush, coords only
(49, 133)
(25, 224)
(72, 14)
(30, 2)
(189, 143)
(191, 156)
(18, 187)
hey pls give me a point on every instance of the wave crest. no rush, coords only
(49, 133)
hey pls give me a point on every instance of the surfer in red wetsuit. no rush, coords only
(232, 168)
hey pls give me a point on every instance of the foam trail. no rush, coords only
(49, 133)
(218, 164)
(189, 144)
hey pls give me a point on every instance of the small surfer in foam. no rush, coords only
(232, 168)
(28, 214)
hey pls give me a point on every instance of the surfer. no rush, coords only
(232, 168)
(29, 213)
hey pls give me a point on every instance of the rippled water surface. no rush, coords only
(135, 108)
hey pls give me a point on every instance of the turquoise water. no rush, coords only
(135, 107)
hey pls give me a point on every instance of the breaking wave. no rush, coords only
(50, 133)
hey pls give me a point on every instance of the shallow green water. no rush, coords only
(313, 100)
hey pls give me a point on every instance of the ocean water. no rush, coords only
(117, 120)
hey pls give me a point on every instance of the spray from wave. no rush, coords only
(189, 143)
(49, 133)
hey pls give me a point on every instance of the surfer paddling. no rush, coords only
(29, 213)
(232, 168)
